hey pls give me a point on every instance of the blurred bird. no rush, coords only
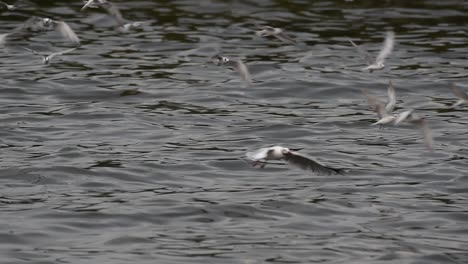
(47, 58)
(419, 123)
(384, 111)
(114, 12)
(462, 96)
(266, 31)
(386, 50)
(238, 65)
(261, 156)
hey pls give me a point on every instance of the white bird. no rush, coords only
(261, 156)
(114, 12)
(47, 58)
(238, 65)
(278, 33)
(386, 50)
(420, 123)
(384, 111)
(462, 96)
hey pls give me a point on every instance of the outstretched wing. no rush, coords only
(243, 71)
(387, 47)
(114, 11)
(376, 104)
(363, 53)
(458, 92)
(308, 164)
(284, 37)
(403, 116)
(423, 126)
(58, 53)
(89, 3)
(391, 98)
(67, 32)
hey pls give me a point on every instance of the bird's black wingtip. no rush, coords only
(340, 171)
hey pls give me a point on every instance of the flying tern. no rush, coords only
(386, 50)
(261, 156)
(384, 111)
(238, 65)
(47, 58)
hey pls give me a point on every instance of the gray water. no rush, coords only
(131, 149)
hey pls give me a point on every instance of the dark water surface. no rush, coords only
(131, 148)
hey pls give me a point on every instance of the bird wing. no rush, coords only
(376, 104)
(32, 51)
(403, 116)
(387, 47)
(34, 23)
(3, 38)
(67, 32)
(259, 154)
(423, 126)
(363, 53)
(88, 3)
(243, 71)
(458, 92)
(391, 98)
(114, 11)
(284, 37)
(308, 164)
(58, 53)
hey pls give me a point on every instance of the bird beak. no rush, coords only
(290, 150)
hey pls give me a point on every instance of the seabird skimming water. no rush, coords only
(261, 156)
(47, 58)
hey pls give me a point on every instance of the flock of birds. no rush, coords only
(384, 110)
(259, 157)
(35, 24)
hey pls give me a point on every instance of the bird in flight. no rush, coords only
(385, 51)
(261, 156)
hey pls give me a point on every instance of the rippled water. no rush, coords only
(131, 148)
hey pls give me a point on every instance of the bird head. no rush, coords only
(285, 151)
(219, 60)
